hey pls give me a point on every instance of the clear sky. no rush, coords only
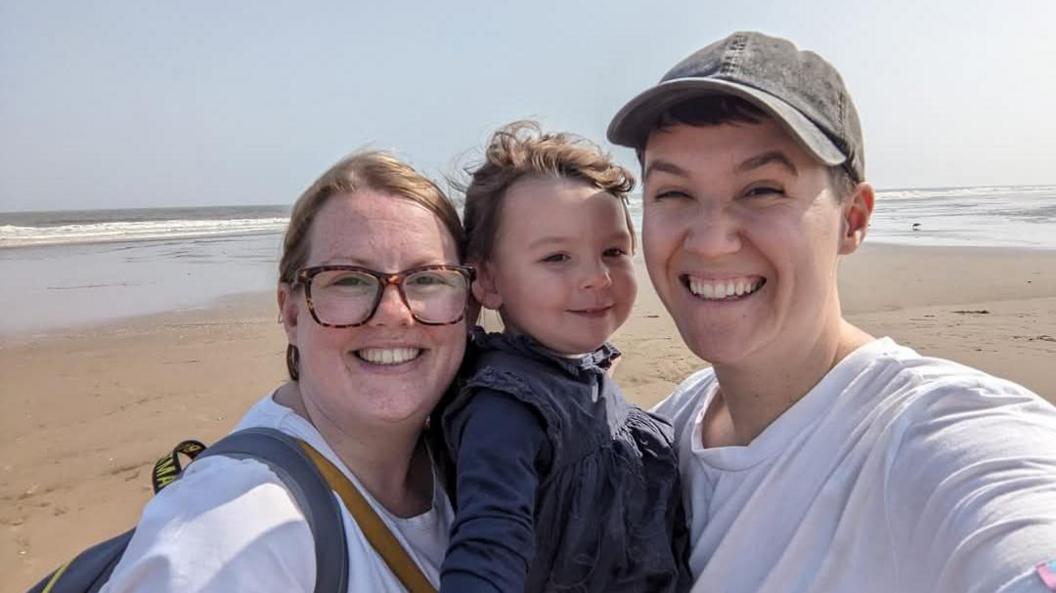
(123, 104)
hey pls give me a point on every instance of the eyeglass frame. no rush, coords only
(304, 278)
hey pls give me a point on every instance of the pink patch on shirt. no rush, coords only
(1047, 572)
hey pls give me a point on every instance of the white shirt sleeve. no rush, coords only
(226, 525)
(971, 494)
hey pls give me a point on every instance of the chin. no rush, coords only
(398, 413)
(715, 348)
(588, 348)
(418, 417)
(580, 347)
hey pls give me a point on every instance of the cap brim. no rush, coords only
(633, 123)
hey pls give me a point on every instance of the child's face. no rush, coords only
(561, 269)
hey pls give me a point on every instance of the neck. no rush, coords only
(389, 461)
(752, 395)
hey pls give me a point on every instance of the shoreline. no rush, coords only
(96, 313)
(250, 304)
(90, 409)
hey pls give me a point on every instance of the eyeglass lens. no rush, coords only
(347, 297)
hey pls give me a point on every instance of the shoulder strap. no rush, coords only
(379, 536)
(284, 455)
(88, 571)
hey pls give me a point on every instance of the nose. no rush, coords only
(391, 311)
(713, 233)
(595, 275)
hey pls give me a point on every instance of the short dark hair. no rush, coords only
(715, 110)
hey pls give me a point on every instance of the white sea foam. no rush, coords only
(1023, 216)
(144, 230)
(995, 216)
(947, 193)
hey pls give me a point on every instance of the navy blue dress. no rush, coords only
(560, 485)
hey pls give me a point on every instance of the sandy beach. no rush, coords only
(88, 412)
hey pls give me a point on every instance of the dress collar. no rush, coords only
(597, 361)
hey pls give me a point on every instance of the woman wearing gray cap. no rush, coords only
(816, 457)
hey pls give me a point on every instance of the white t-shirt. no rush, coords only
(895, 473)
(229, 525)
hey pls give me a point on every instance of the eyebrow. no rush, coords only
(360, 263)
(755, 162)
(557, 240)
(662, 166)
(773, 156)
(553, 240)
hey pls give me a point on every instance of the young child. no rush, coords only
(560, 484)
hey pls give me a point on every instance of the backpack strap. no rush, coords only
(88, 571)
(284, 456)
(91, 569)
(168, 469)
(311, 480)
(377, 533)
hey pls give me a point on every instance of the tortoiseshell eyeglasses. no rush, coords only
(347, 296)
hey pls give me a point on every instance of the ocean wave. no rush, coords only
(148, 230)
(966, 192)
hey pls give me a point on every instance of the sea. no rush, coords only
(67, 269)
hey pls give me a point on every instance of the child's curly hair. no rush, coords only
(521, 149)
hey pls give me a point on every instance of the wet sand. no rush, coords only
(88, 412)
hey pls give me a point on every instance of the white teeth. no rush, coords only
(723, 289)
(388, 355)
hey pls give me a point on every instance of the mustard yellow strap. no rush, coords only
(373, 527)
(55, 577)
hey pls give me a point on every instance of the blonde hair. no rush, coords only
(375, 170)
(519, 150)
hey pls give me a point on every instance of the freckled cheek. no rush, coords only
(323, 341)
(450, 349)
(450, 340)
(327, 367)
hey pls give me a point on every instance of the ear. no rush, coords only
(288, 311)
(857, 209)
(484, 287)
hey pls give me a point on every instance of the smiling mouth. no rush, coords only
(732, 289)
(593, 312)
(388, 356)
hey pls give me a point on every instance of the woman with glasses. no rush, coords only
(373, 300)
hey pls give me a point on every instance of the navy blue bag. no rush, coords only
(90, 569)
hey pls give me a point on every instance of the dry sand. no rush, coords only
(87, 413)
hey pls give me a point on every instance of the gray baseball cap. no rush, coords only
(799, 89)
